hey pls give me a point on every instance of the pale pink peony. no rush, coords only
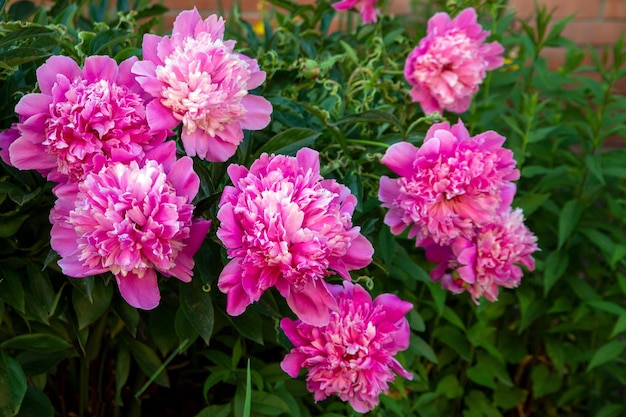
(488, 261)
(285, 226)
(131, 220)
(196, 78)
(450, 185)
(79, 115)
(369, 13)
(449, 64)
(353, 355)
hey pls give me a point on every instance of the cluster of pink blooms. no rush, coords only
(196, 78)
(352, 355)
(455, 194)
(284, 226)
(124, 201)
(448, 65)
(124, 198)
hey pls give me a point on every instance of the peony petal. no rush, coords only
(32, 104)
(186, 22)
(184, 178)
(229, 282)
(313, 303)
(149, 48)
(141, 292)
(258, 111)
(100, 67)
(400, 158)
(160, 117)
(57, 64)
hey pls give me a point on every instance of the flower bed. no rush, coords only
(375, 217)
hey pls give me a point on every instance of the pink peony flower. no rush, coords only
(79, 115)
(131, 220)
(369, 14)
(285, 226)
(449, 186)
(449, 64)
(353, 355)
(488, 261)
(197, 79)
(7, 137)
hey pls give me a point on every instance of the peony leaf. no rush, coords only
(12, 385)
(568, 220)
(198, 307)
(43, 342)
(289, 141)
(606, 353)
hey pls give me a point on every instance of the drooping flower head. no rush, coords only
(369, 13)
(196, 78)
(488, 261)
(285, 226)
(82, 114)
(450, 185)
(449, 64)
(131, 220)
(353, 355)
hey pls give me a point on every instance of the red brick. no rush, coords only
(562, 8)
(615, 9)
(594, 33)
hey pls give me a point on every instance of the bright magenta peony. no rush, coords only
(196, 78)
(353, 355)
(82, 114)
(285, 226)
(131, 220)
(449, 186)
(488, 261)
(449, 64)
(369, 13)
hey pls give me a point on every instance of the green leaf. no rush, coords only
(12, 385)
(555, 266)
(529, 203)
(122, 370)
(248, 397)
(455, 339)
(594, 163)
(10, 225)
(89, 310)
(249, 325)
(198, 307)
(544, 381)
(568, 219)
(35, 404)
(481, 375)
(11, 290)
(449, 387)
(508, 397)
(611, 410)
(183, 329)
(419, 346)
(268, 404)
(372, 116)
(148, 361)
(453, 318)
(620, 326)
(289, 141)
(606, 353)
(43, 342)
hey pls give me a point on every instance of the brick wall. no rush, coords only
(597, 22)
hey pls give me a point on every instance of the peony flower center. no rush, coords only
(94, 118)
(206, 83)
(129, 219)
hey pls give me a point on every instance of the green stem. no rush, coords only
(367, 142)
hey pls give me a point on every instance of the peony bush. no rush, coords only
(365, 214)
